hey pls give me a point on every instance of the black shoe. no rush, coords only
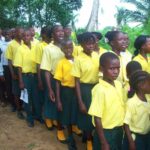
(41, 120)
(71, 144)
(20, 115)
(30, 124)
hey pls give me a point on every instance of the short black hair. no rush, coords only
(63, 43)
(85, 37)
(106, 57)
(133, 66)
(111, 35)
(54, 27)
(139, 42)
(137, 77)
(98, 35)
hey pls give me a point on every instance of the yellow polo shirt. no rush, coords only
(35, 41)
(51, 55)
(12, 49)
(108, 104)
(144, 63)
(101, 51)
(138, 115)
(86, 68)
(63, 73)
(77, 49)
(39, 51)
(24, 58)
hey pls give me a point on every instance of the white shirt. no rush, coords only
(3, 47)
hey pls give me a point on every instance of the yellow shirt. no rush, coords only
(86, 68)
(77, 49)
(24, 58)
(144, 63)
(63, 73)
(138, 115)
(101, 51)
(39, 51)
(51, 55)
(107, 104)
(12, 49)
(34, 41)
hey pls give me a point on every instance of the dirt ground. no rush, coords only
(15, 135)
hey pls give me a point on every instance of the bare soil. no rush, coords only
(16, 135)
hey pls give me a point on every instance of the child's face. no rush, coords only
(7, 36)
(111, 69)
(68, 49)
(145, 86)
(67, 31)
(119, 42)
(19, 33)
(27, 37)
(88, 47)
(147, 45)
(58, 34)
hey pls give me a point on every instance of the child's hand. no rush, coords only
(105, 146)
(14, 77)
(40, 85)
(59, 106)
(21, 85)
(82, 108)
(51, 95)
(132, 146)
(2, 78)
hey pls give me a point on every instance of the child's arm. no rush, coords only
(21, 83)
(14, 77)
(130, 139)
(49, 86)
(40, 84)
(99, 129)
(82, 106)
(58, 100)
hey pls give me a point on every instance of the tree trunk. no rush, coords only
(93, 21)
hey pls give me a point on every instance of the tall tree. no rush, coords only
(93, 21)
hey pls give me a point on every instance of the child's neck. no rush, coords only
(143, 54)
(109, 81)
(18, 40)
(57, 44)
(141, 96)
(69, 58)
(116, 51)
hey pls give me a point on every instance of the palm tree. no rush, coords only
(141, 15)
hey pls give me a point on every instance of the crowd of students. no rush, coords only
(103, 95)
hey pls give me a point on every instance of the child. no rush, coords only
(65, 91)
(51, 55)
(142, 45)
(132, 67)
(107, 106)
(118, 44)
(10, 55)
(46, 38)
(98, 50)
(85, 70)
(137, 117)
(24, 61)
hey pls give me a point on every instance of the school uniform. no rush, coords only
(86, 68)
(137, 116)
(68, 97)
(25, 59)
(51, 55)
(144, 63)
(7, 74)
(77, 49)
(10, 55)
(107, 104)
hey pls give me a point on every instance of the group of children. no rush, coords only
(102, 94)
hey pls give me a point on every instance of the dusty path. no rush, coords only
(15, 135)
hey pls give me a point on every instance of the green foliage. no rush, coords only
(37, 12)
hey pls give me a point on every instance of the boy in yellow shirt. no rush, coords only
(107, 106)
(137, 116)
(142, 45)
(10, 55)
(24, 61)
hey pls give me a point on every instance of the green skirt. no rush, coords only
(69, 103)
(50, 109)
(113, 137)
(84, 121)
